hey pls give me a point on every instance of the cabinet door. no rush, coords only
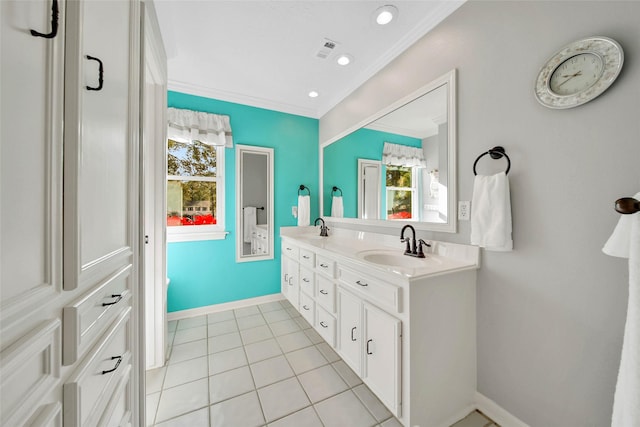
(381, 370)
(290, 280)
(350, 331)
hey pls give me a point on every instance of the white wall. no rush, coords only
(550, 313)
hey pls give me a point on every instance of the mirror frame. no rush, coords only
(452, 203)
(240, 150)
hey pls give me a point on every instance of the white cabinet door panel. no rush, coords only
(350, 330)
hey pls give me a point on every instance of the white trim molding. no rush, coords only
(497, 413)
(216, 308)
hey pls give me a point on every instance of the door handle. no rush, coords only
(368, 351)
(100, 73)
(352, 331)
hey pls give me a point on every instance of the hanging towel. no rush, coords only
(249, 222)
(304, 210)
(337, 208)
(491, 213)
(625, 243)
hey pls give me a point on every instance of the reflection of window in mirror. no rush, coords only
(402, 194)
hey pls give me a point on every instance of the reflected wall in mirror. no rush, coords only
(414, 140)
(254, 203)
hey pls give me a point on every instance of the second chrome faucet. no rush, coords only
(413, 248)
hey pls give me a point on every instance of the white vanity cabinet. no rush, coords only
(290, 287)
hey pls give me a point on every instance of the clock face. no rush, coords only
(576, 74)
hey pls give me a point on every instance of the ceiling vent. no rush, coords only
(328, 46)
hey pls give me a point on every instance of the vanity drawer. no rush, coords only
(87, 318)
(326, 295)
(307, 307)
(290, 250)
(382, 293)
(326, 326)
(307, 258)
(87, 393)
(118, 411)
(325, 265)
(307, 281)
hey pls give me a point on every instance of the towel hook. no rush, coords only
(627, 205)
(495, 153)
(302, 188)
(336, 189)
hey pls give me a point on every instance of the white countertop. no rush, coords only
(385, 252)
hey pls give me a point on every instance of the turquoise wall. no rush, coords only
(205, 272)
(341, 165)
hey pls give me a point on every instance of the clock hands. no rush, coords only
(579, 73)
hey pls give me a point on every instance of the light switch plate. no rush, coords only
(294, 211)
(464, 210)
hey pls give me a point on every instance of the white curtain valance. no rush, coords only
(396, 154)
(187, 126)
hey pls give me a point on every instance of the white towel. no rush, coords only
(304, 210)
(337, 208)
(249, 222)
(625, 242)
(491, 213)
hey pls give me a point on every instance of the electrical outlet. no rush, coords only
(294, 211)
(464, 210)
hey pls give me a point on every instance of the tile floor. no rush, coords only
(259, 366)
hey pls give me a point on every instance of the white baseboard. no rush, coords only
(209, 309)
(497, 413)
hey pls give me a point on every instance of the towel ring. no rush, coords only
(627, 205)
(302, 188)
(495, 153)
(336, 189)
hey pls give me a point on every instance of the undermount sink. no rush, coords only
(394, 259)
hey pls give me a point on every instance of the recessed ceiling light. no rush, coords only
(344, 59)
(313, 94)
(385, 14)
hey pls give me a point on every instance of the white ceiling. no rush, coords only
(264, 53)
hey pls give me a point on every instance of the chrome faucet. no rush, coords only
(413, 248)
(323, 228)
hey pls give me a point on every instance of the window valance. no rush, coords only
(396, 154)
(187, 126)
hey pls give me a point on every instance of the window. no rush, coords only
(401, 188)
(195, 191)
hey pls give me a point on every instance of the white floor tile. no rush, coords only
(187, 351)
(346, 373)
(305, 359)
(313, 335)
(262, 350)
(283, 398)
(270, 306)
(372, 403)
(199, 418)
(284, 327)
(246, 311)
(184, 372)
(276, 316)
(172, 325)
(305, 418)
(270, 371)
(182, 399)
(322, 383)
(261, 333)
(474, 419)
(328, 352)
(294, 341)
(191, 322)
(226, 360)
(154, 379)
(191, 334)
(224, 342)
(240, 411)
(344, 410)
(391, 422)
(230, 384)
(251, 321)
(222, 328)
(152, 407)
(220, 316)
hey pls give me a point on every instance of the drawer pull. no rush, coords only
(290, 284)
(115, 367)
(305, 256)
(304, 279)
(289, 249)
(117, 297)
(324, 265)
(54, 23)
(286, 277)
(305, 307)
(368, 351)
(352, 332)
(323, 325)
(323, 292)
(361, 284)
(100, 73)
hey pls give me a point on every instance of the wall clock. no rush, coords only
(579, 72)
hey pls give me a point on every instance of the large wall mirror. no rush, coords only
(254, 203)
(414, 143)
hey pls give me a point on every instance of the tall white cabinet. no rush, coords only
(69, 219)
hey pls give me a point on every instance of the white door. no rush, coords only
(350, 330)
(381, 370)
(369, 190)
